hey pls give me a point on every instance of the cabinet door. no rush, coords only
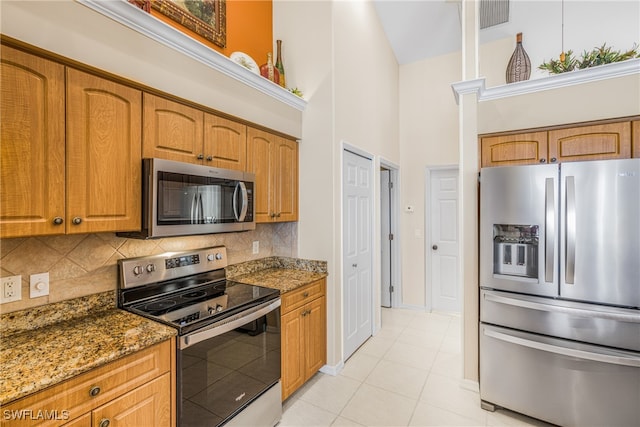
(293, 358)
(225, 143)
(103, 155)
(33, 146)
(596, 142)
(635, 132)
(315, 336)
(259, 161)
(172, 131)
(286, 180)
(520, 149)
(83, 421)
(148, 405)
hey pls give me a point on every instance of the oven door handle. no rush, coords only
(228, 324)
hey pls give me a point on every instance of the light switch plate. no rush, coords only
(38, 285)
(256, 247)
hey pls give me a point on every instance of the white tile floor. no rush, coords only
(409, 374)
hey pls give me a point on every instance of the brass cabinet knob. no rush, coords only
(200, 156)
(94, 391)
(77, 220)
(58, 220)
(209, 158)
(104, 422)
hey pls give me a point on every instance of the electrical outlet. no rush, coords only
(38, 285)
(256, 247)
(10, 289)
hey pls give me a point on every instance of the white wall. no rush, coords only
(587, 24)
(336, 53)
(428, 137)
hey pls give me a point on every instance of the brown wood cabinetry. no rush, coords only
(135, 390)
(520, 149)
(70, 153)
(597, 142)
(304, 335)
(32, 170)
(175, 131)
(104, 129)
(635, 136)
(274, 161)
(571, 144)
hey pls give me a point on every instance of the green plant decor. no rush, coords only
(597, 56)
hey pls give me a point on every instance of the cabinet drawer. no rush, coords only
(107, 382)
(299, 297)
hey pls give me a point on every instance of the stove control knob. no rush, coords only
(151, 268)
(137, 270)
(219, 308)
(218, 256)
(210, 257)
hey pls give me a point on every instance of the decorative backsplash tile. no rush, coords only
(86, 264)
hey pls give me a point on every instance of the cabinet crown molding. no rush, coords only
(588, 75)
(131, 17)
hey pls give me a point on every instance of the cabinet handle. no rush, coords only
(57, 220)
(278, 215)
(306, 294)
(77, 220)
(543, 160)
(104, 422)
(94, 391)
(553, 160)
(200, 156)
(306, 313)
(209, 158)
(272, 215)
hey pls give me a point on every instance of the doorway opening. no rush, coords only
(389, 253)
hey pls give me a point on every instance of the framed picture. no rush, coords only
(206, 18)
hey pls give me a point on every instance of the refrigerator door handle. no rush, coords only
(619, 317)
(550, 229)
(570, 221)
(565, 351)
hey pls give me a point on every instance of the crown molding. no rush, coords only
(556, 81)
(130, 16)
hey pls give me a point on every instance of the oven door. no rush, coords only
(232, 368)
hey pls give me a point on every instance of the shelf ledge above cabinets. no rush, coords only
(128, 15)
(588, 75)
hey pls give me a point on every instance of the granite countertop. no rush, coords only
(33, 358)
(284, 274)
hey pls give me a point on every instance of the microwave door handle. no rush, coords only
(245, 201)
(194, 209)
(570, 211)
(200, 209)
(235, 201)
(550, 229)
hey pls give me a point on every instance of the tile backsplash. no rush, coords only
(86, 264)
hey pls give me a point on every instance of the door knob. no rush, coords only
(434, 247)
(354, 265)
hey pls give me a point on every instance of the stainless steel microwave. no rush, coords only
(181, 199)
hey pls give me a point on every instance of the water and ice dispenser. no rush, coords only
(515, 250)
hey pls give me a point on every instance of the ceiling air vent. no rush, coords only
(493, 12)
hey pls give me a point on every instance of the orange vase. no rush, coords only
(269, 71)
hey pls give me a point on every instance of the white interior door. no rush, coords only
(357, 250)
(385, 240)
(443, 223)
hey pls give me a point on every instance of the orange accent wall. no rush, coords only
(249, 29)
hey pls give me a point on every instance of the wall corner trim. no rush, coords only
(588, 75)
(133, 18)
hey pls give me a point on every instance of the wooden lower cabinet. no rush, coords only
(304, 335)
(135, 390)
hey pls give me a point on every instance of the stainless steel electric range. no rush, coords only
(228, 347)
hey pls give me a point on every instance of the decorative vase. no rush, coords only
(519, 67)
(279, 65)
(270, 72)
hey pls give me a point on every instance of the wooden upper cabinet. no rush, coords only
(104, 131)
(259, 161)
(635, 136)
(32, 164)
(172, 131)
(274, 161)
(225, 143)
(286, 180)
(518, 149)
(596, 142)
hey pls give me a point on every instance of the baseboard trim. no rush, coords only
(332, 370)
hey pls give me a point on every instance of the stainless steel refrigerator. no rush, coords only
(560, 291)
